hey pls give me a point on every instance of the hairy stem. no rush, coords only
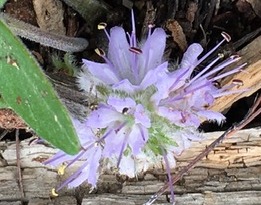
(30, 32)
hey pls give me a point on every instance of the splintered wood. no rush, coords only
(250, 76)
(50, 15)
(229, 173)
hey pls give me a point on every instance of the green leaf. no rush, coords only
(2, 2)
(3, 103)
(25, 88)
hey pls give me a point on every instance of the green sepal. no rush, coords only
(161, 135)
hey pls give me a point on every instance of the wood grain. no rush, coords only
(232, 172)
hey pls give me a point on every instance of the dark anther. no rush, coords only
(226, 36)
(102, 26)
(93, 106)
(237, 82)
(135, 50)
(125, 110)
(216, 84)
(100, 52)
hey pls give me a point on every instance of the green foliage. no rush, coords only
(158, 142)
(2, 103)
(67, 64)
(161, 135)
(2, 2)
(24, 88)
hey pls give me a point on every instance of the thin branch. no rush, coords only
(3, 134)
(18, 163)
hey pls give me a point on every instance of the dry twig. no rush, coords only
(18, 163)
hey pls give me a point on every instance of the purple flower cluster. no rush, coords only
(146, 112)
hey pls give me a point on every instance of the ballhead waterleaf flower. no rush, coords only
(146, 113)
(125, 122)
(90, 154)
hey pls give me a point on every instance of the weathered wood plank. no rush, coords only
(232, 172)
(207, 198)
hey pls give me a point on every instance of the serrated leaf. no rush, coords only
(25, 88)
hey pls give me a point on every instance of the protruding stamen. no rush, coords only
(201, 73)
(54, 158)
(225, 63)
(216, 84)
(83, 149)
(71, 178)
(115, 170)
(221, 55)
(100, 52)
(122, 149)
(177, 80)
(102, 26)
(34, 141)
(237, 82)
(94, 106)
(186, 92)
(238, 69)
(218, 95)
(54, 192)
(133, 22)
(61, 169)
(226, 36)
(169, 176)
(91, 190)
(133, 34)
(183, 118)
(150, 26)
(135, 50)
(237, 57)
(87, 147)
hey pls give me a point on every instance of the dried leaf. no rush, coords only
(177, 34)
(192, 9)
(246, 8)
(50, 15)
